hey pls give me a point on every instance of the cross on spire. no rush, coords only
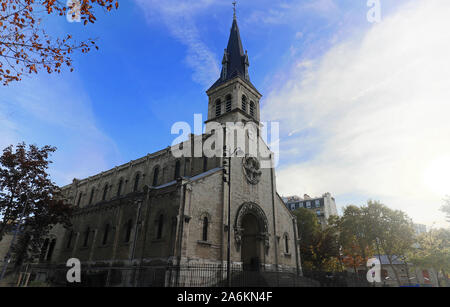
(234, 8)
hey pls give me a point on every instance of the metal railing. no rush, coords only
(198, 275)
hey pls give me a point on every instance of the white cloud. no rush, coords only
(178, 16)
(372, 114)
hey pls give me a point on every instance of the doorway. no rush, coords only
(251, 249)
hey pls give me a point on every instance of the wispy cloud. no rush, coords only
(371, 116)
(178, 16)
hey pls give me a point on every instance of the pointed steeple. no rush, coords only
(235, 62)
(235, 52)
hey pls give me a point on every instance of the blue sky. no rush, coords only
(353, 98)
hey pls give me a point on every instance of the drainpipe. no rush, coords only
(297, 264)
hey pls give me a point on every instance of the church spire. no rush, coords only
(235, 61)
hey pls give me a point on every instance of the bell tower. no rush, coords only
(233, 98)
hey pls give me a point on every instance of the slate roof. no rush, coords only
(234, 58)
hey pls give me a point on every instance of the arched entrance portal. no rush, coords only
(250, 250)
(251, 235)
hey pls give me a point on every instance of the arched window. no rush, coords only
(244, 103)
(155, 176)
(92, 196)
(44, 249)
(218, 107)
(128, 228)
(136, 182)
(286, 244)
(205, 229)
(69, 239)
(228, 103)
(51, 248)
(86, 237)
(177, 170)
(79, 199)
(252, 108)
(119, 188)
(105, 192)
(160, 227)
(105, 234)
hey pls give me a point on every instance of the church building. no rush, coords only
(164, 209)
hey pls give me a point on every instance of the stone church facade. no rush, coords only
(162, 209)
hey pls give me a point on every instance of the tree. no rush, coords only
(308, 224)
(355, 237)
(324, 251)
(25, 45)
(392, 231)
(28, 197)
(318, 247)
(432, 251)
(446, 208)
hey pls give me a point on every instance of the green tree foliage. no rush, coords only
(432, 251)
(353, 237)
(446, 208)
(390, 230)
(373, 229)
(28, 196)
(308, 224)
(319, 248)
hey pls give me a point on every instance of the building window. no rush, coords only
(308, 204)
(44, 249)
(244, 103)
(136, 182)
(119, 188)
(128, 227)
(105, 234)
(79, 199)
(218, 108)
(69, 239)
(286, 244)
(86, 237)
(160, 227)
(228, 103)
(205, 229)
(252, 109)
(177, 170)
(51, 249)
(317, 202)
(105, 192)
(318, 212)
(155, 176)
(92, 196)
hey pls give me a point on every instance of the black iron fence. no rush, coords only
(199, 275)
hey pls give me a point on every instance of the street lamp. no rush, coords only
(237, 151)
